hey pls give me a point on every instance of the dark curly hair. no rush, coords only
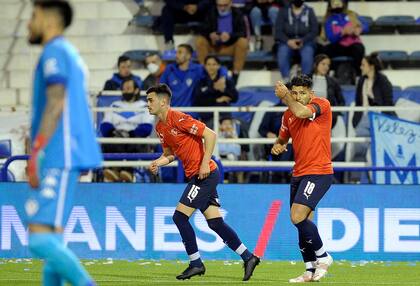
(301, 80)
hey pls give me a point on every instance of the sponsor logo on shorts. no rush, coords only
(31, 207)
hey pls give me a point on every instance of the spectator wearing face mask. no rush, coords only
(156, 67)
(342, 30)
(124, 73)
(126, 124)
(295, 32)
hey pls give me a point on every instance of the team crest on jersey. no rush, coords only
(174, 132)
(189, 81)
(194, 129)
(175, 82)
(50, 67)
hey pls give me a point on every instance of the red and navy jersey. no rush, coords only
(183, 134)
(311, 138)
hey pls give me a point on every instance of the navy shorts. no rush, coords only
(200, 194)
(308, 190)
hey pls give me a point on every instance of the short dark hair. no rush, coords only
(212, 57)
(62, 7)
(122, 59)
(129, 79)
(301, 80)
(188, 47)
(160, 89)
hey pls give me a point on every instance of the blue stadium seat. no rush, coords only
(395, 20)
(104, 100)
(252, 96)
(411, 93)
(395, 59)
(5, 148)
(414, 59)
(349, 93)
(143, 21)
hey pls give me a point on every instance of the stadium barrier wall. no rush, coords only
(134, 221)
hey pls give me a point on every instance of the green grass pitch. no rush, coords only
(145, 272)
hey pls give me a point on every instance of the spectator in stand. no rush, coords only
(229, 130)
(182, 76)
(263, 11)
(295, 32)
(342, 30)
(214, 89)
(181, 11)
(126, 124)
(124, 72)
(327, 87)
(156, 67)
(224, 33)
(373, 89)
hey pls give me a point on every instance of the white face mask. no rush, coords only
(153, 68)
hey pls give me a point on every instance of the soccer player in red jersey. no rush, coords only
(182, 136)
(308, 122)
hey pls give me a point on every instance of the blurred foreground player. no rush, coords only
(63, 142)
(308, 122)
(182, 136)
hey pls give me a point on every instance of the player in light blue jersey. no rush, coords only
(63, 142)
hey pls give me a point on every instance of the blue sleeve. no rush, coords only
(54, 66)
(164, 77)
(333, 38)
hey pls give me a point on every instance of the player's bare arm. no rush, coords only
(166, 158)
(53, 110)
(279, 146)
(209, 137)
(289, 98)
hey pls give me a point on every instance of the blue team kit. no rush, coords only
(73, 146)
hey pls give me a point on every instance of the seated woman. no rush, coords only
(373, 89)
(326, 86)
(214, 89)
(342, 30)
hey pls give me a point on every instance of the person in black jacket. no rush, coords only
(295, 32)
(326, 86)
(373, 89)
(224, 33)
(180, 11)
(215, 89)
(124, 73)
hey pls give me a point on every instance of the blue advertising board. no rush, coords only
(133, 221)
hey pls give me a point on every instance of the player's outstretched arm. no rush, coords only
(209, 143)
(50, 117)
(166, 158)
(298, 109)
